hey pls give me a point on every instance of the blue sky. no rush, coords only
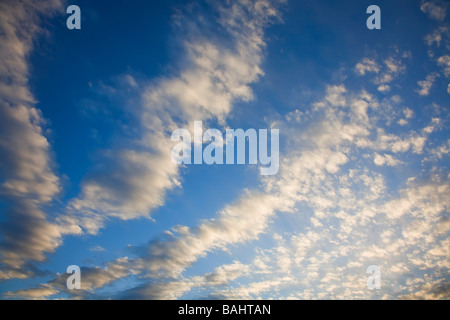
(85, 151)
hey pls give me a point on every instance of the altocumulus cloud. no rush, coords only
(333, 185)
(348, 205)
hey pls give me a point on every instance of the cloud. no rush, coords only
(97, 248)
(350, 219)
(26, 164)
(28, 179)
(436, 10)
(347, 215)
(252, 290)
(384, 88)
(385, 160)
(437, 37)
(132, 182)
(158, 291)
(385, 71)
(249, 217)
(433, 290)
(174, 289)
(444, 62)
(224, 274)
(40, 293)
(27, 235)
(413, 141)
(408, 113)
(237, 223)
(392, 68)
(366, 65)
(348, 206)
(353, 221)
(26, 161)
(91, 278)
(425, 85)
(329, 261)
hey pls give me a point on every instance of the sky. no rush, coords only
(87, 179)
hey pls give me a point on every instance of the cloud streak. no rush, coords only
(28, 179)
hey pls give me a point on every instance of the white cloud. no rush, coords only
(437, 37)
(132, 181)
(26, 165)
(240, 222)
(385, 72)
(385, 160)
(97, 248)
(425, 85)
(253, 290)
(367, 65)
(393, 66)
(330, 266)
(444, 62)
(408, 113)
(384, 88)
(226, 273)
(349, 217)
(436, 10)
(399, 143)
(213, 77)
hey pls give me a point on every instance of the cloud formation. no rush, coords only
(134, 181)
(436, 10)
(425, 85)
(358, 186)
(350, 219)
(28, 179)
